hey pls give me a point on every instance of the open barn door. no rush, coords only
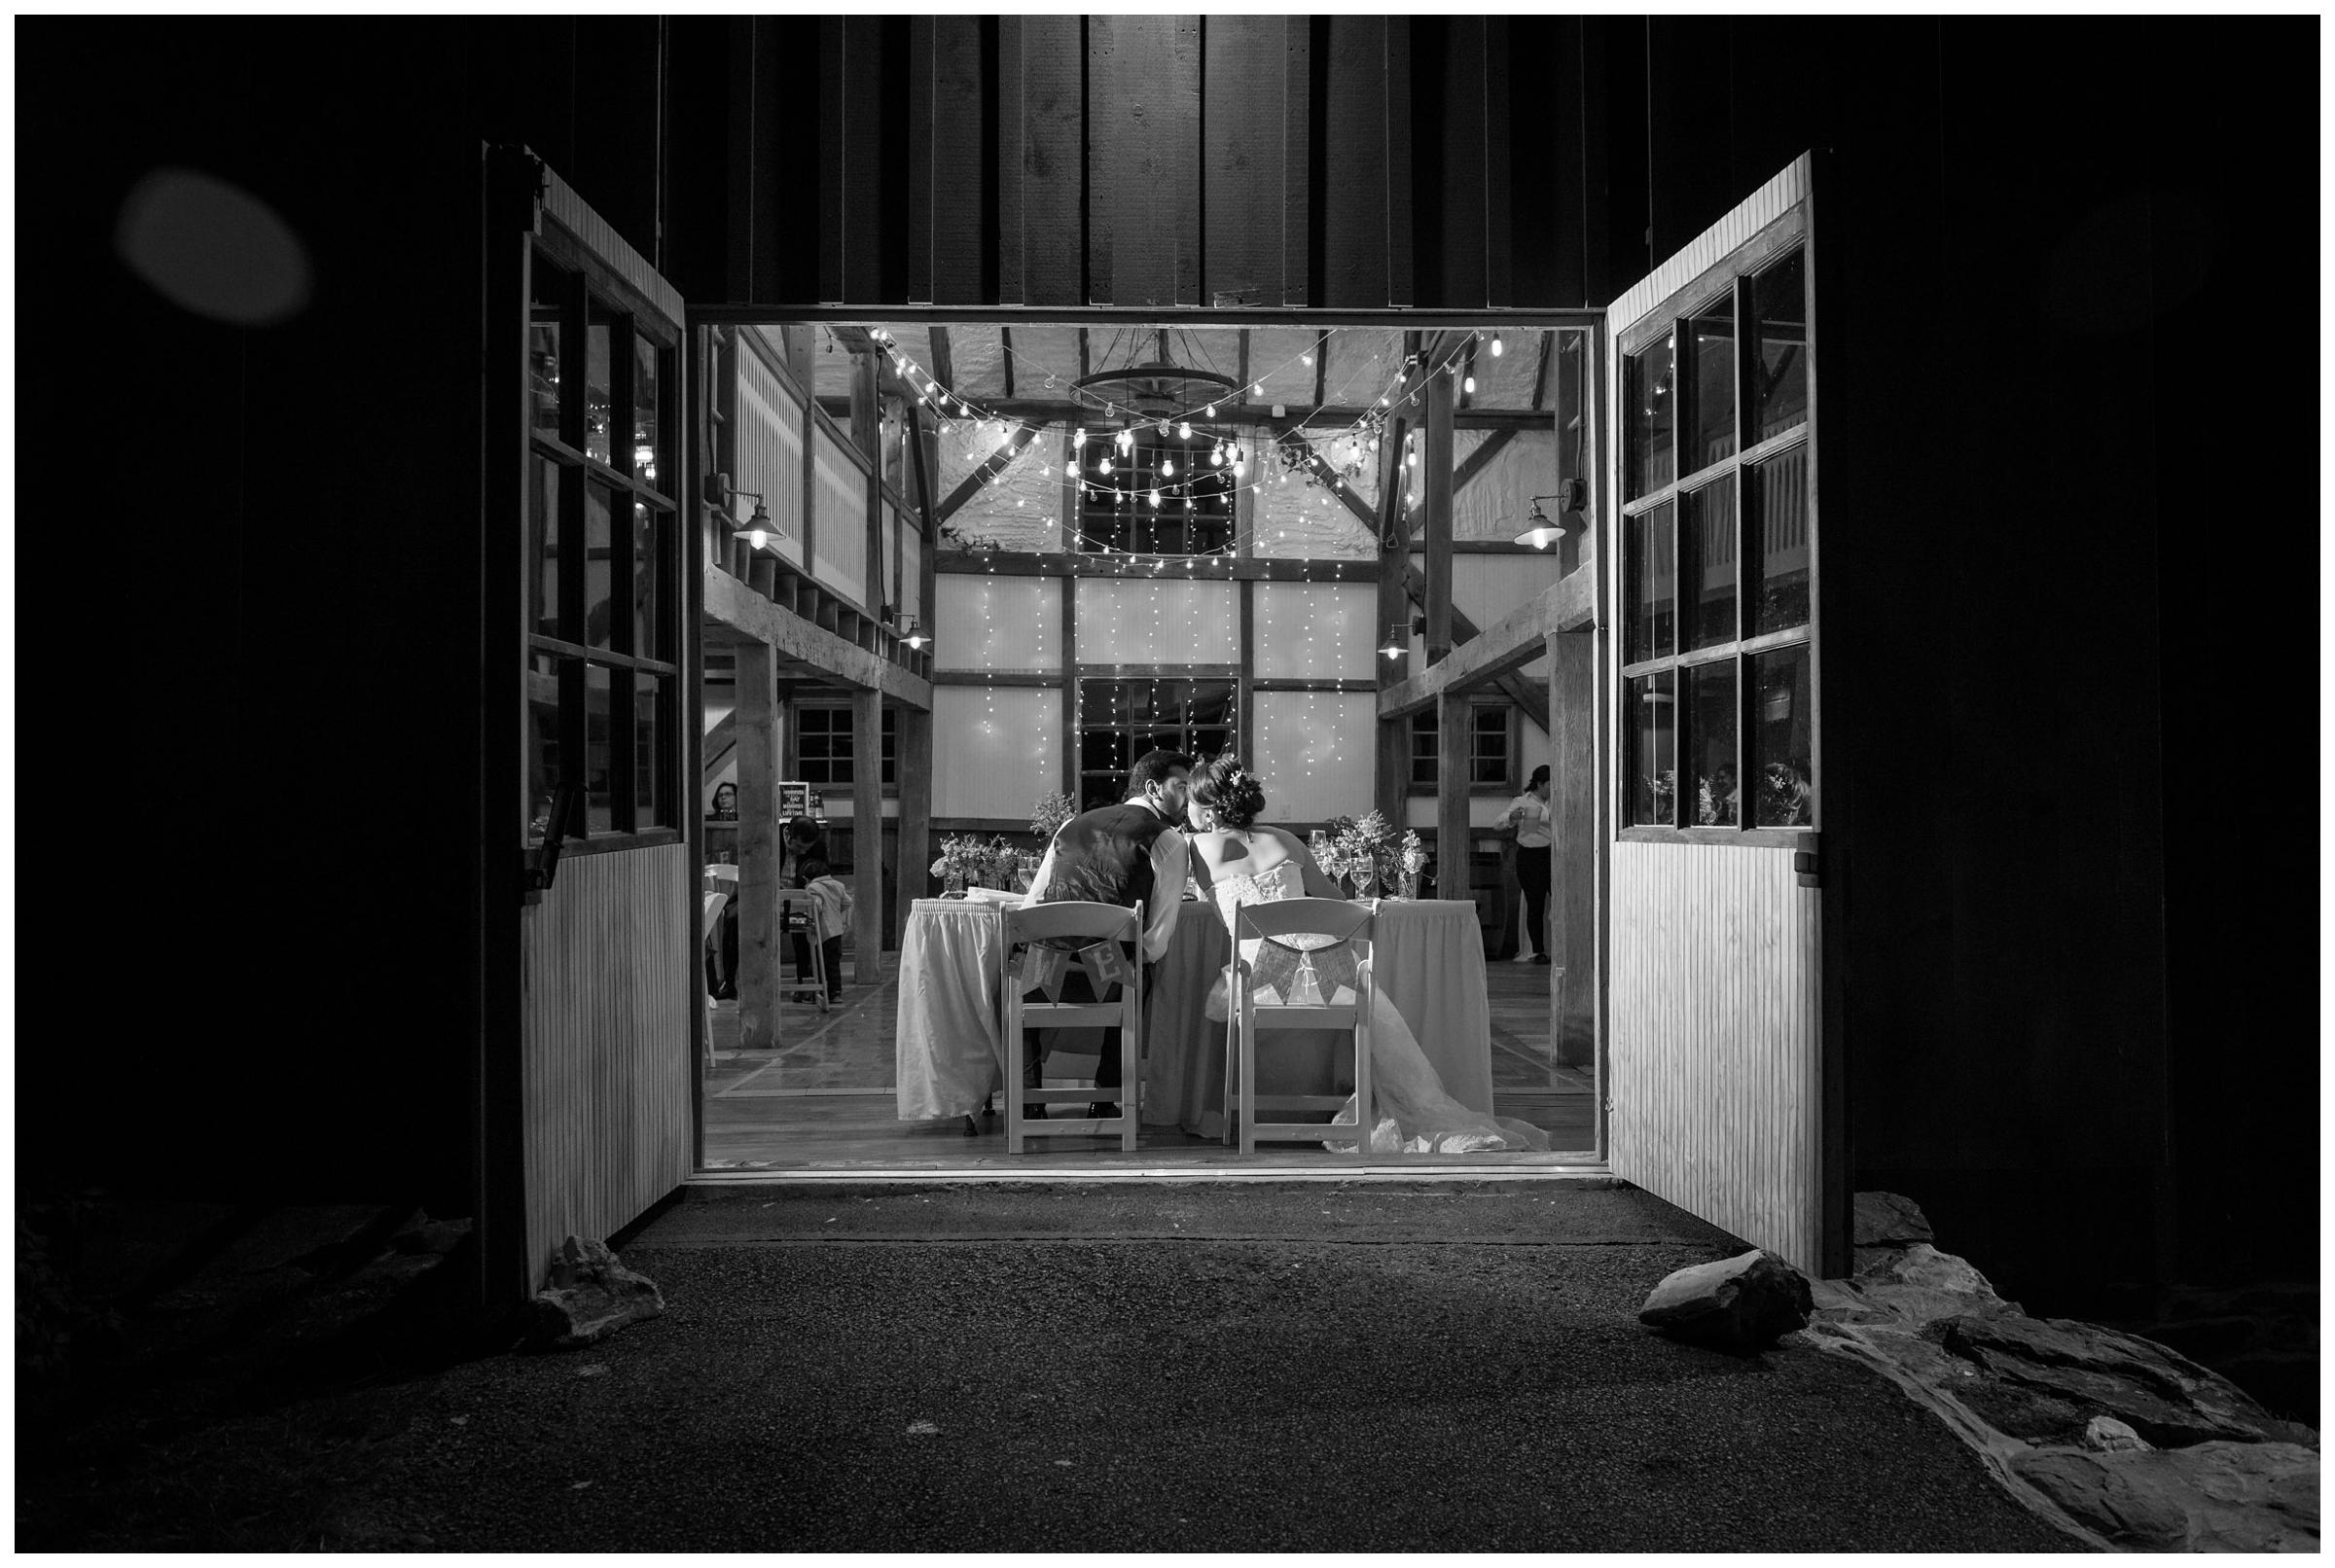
(1722, 1100)
(586, 1099)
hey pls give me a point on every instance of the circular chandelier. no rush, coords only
(1156, 389)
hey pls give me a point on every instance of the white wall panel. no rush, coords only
(840, 533)
(1316, 752)
(1316, 630)
(1000, 624)
(1713, 1050)
(1158, 621)
(769, 450)
(912, 572)
(994, 749)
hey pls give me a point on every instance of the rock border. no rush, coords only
(2224, 1475)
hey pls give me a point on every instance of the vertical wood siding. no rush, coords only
(1765, 205)
(610, 979)
(770, 450)
(1714, 1052)
(912, 574)
(839, 536)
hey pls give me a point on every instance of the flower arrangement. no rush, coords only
(966, 859)
(1051, 812)
(1365, 849)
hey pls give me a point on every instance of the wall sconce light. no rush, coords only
(1398, 642)
(905, 627)
(759, 529)
(1542, 530)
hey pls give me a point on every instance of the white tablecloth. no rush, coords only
(950, 1059)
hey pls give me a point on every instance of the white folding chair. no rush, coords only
(1331, 926)
(1068, 927)
(798, 916)
(710, 924)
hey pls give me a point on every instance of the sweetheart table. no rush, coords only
(950, 1059)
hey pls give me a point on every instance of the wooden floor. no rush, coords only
(826, 1100)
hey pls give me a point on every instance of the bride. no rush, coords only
(1244, 863)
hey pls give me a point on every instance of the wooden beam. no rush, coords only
(992, 466)
(1436, 492)
(1286, 431)
(1479, 460)
(1005, 357)
(913, 843)
(1454, 831)
(1572, 690)
(944, 366)
(867, 839)
(1273, 569)
(1568, 606)
(755, 620)
(1540, 374)
(761, 726)
(715, 749)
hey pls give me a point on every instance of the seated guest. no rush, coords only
(1129, 853)
(725, 801)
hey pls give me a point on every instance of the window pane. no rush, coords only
(1653, 748)
(596, 397)
(1782, 747)
(1488, 747)
(1194, 515)
(1776, 569)
(1207, 743)
(1104, 751)
(1211, 704)
(549, 287)
(1710, 745)
(1707, 564)
(1647, 386)
(1710, 340)
(652, 801)
(1779, 297)
(600, 545)
(543, 549)
(599, 799)
(645, 358)
(542, 742)
(891, 746)
(1648, 586)
(1425, 740)
(648, 631)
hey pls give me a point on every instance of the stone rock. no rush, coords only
(2213, 1497)
(590, 1296)
(431, 1236)
(1739, 1304)
(1886, 1220)
(1908, 1287)
(2162, 1394)
(2104, 1433)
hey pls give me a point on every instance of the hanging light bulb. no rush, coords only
(1306, 359)
(1127, 439)
(1216, 457)
(1257, 390)
(1240, 471)
(1413, 459)
(1082, 435)
(1184, 430)
(1106, 465)
(1168, 467)
(1155, 500)
(1468, 385)
(1211, 410)
(1495, 345)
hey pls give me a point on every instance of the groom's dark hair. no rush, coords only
(1153, 767)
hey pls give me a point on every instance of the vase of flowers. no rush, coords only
(1363, 850)
(1046, 817)
(1410, 859)
(964, 861)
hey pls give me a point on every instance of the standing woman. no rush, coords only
(1530, 812)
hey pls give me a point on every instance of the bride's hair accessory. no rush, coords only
(1229, 790)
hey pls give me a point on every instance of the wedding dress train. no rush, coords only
(1415, 1114)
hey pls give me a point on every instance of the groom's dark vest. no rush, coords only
(1105, 856)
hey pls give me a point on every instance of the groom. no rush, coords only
(1122, 854)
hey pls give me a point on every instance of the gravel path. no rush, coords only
(1147, 1368)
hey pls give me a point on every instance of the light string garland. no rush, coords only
(1295, 448)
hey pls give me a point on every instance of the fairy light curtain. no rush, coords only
(1314, 751)
(1316, 631)
(1157, 621)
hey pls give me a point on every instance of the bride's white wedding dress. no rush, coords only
(1414, 1115)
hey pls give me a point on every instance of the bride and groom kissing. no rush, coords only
(1182, 820)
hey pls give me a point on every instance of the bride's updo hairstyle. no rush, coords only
(1229, 789)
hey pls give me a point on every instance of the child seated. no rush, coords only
(831, 907)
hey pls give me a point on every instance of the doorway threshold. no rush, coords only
(1540, 1168)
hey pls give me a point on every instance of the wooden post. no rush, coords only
(760, 960)
(1453, 832)
(1435, 463)
(1573, 862)
(915, 847)
(867, 835)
